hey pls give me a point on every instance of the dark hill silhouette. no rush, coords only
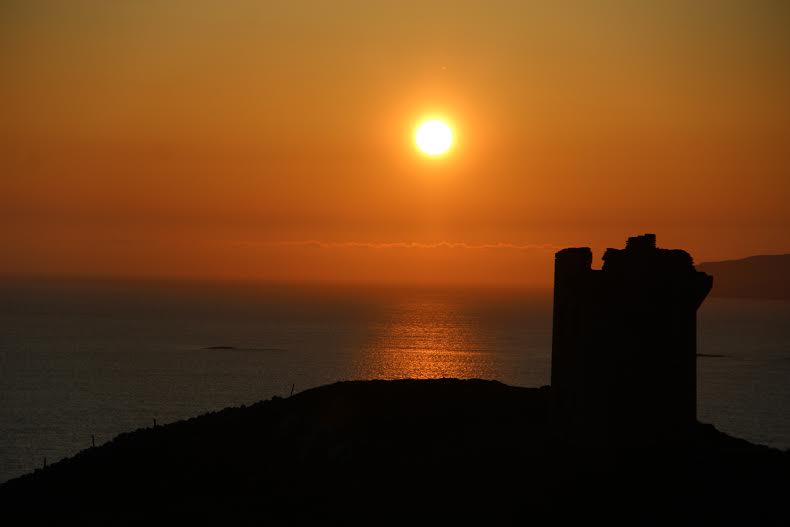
(764, 276)
(391, 451)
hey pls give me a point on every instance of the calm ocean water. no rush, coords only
(82, 358)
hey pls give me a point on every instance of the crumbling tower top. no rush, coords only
(645, 241)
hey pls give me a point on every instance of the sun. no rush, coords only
(433, 137)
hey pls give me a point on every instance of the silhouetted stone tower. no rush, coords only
(624, 345)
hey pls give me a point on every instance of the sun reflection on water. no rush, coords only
(427, 338)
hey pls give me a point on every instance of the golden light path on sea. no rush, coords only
(426, 339)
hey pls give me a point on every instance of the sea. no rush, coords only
(85, 360)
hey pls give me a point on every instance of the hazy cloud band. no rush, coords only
(410, 245)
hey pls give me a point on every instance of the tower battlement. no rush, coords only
(643, 242)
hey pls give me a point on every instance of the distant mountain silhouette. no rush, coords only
(441, 452)
(764, 276)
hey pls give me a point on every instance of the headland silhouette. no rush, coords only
(615, 437)
(761, 276)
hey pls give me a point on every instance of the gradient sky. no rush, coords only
(271, 140)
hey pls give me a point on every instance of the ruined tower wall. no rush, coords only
(624, 342)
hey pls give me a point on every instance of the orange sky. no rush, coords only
(272, 139)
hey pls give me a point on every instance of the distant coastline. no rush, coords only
(762, 276)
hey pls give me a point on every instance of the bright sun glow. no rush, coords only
(434, 137)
